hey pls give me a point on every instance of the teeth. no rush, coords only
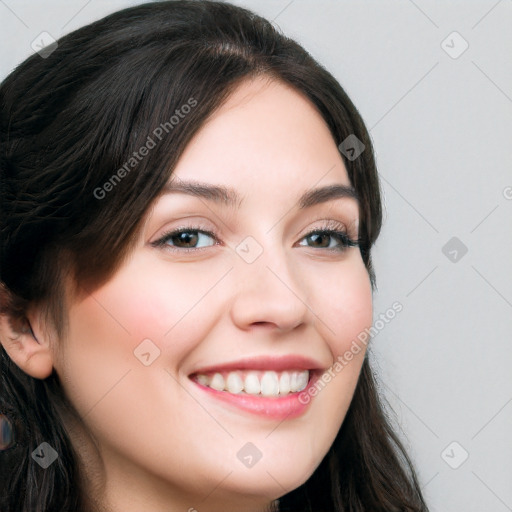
(234, 383)
(252, 384)
(203, 379)
(217, 382)
(270, 384)
(302, 381)
(293, 381)
(258, 383)
(284, 383)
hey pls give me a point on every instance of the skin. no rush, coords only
(150, 439)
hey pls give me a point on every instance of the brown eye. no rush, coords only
(322, 238)
(186, 239)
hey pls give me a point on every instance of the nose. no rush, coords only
(269, 293)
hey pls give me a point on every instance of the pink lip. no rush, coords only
(277, 364)
(278, 408)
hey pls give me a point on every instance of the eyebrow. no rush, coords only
(230, 197)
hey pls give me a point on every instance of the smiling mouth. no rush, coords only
(258, 383)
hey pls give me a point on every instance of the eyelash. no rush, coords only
(330, 228)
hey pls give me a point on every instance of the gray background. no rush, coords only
(441, 125)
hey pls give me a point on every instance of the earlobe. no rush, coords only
(30, 353)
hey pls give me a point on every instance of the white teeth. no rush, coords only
(270, 384)
(252, 384)
(298, 381)
(203, 379)
(259, 383)
(284, 383)
(217, 382)
(234, 383)
(294, 382)
(302, 381)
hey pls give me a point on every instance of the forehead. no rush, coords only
(266, 138)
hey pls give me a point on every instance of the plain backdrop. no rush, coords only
(433, 82)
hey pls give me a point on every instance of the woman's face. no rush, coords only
(186, 365)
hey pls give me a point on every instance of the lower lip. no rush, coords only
(279, 408)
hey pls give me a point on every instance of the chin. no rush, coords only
(270, 481)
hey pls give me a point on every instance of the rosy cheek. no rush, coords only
(137, 299)
(152, 300)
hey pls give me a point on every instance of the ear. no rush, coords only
(30, 353)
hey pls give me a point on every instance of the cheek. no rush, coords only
(168, 305)
(348, 313)
(98, 367)
(343, 303)
(147, 301)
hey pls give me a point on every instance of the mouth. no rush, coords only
(271, 388)
(255, 382)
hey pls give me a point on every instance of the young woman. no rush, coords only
(188, 203)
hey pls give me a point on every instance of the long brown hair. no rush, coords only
(68, 123)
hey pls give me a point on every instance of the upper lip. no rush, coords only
(265, 363)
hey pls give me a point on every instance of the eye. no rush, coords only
(186, 239)
(332, 237)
